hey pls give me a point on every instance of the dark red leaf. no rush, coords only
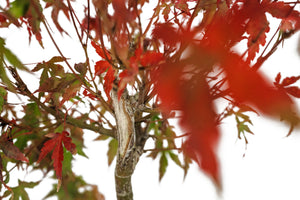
(10, 150)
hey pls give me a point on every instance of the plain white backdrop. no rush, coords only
(268, 169)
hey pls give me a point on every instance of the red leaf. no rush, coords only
(278, 78)
(151, 58)
(192, 98)
(101, 66)
(91, 96)
(10, 150)
(108, 81)
(165, 32)
(281, 10)
(100, 51)
(201, 147)
(293, 90)
(255, 89)
(56, 144)
(289, 80)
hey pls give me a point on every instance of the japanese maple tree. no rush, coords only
(135, 76)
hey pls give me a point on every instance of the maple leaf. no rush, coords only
(257, 28)
(193, 99)
(58, 6)
(151, 58)
(10, 150)
(256, 90)
(165, 32)
(101, 66)
(279, 9)
(101, 52)
(108, 81)
(56, 143)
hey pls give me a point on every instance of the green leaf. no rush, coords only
(19, 8)
(163, 164)
(175, 158)
(3, 96)
(14, 60)
(67, 162)
(112, 150)
(56, 59)
(20, 192)
(3, 76)
(32, 114)
(102, 137)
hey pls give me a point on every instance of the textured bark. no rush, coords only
(130, 144)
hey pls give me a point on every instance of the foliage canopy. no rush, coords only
(176, 64)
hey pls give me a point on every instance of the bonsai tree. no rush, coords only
(178, 63)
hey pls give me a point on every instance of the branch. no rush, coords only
(58, 114)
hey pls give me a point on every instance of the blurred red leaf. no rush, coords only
(191, 96)
(255, 89)
(151, 58)
(56, 144)
(165, 32)
(10, 150)
(289, 80)
(293, 90)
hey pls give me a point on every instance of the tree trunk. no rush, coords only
(130, 144)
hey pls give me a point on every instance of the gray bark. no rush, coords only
(131, 142)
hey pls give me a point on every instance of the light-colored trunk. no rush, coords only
(128, 150)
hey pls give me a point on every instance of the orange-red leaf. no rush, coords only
(108, 81)
(101, 66)
(56, 144)
(103, 53)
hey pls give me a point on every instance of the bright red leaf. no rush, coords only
(56, 143)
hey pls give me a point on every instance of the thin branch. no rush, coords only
(103, 102)
(58, 114)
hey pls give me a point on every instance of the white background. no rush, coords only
(268, 169)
